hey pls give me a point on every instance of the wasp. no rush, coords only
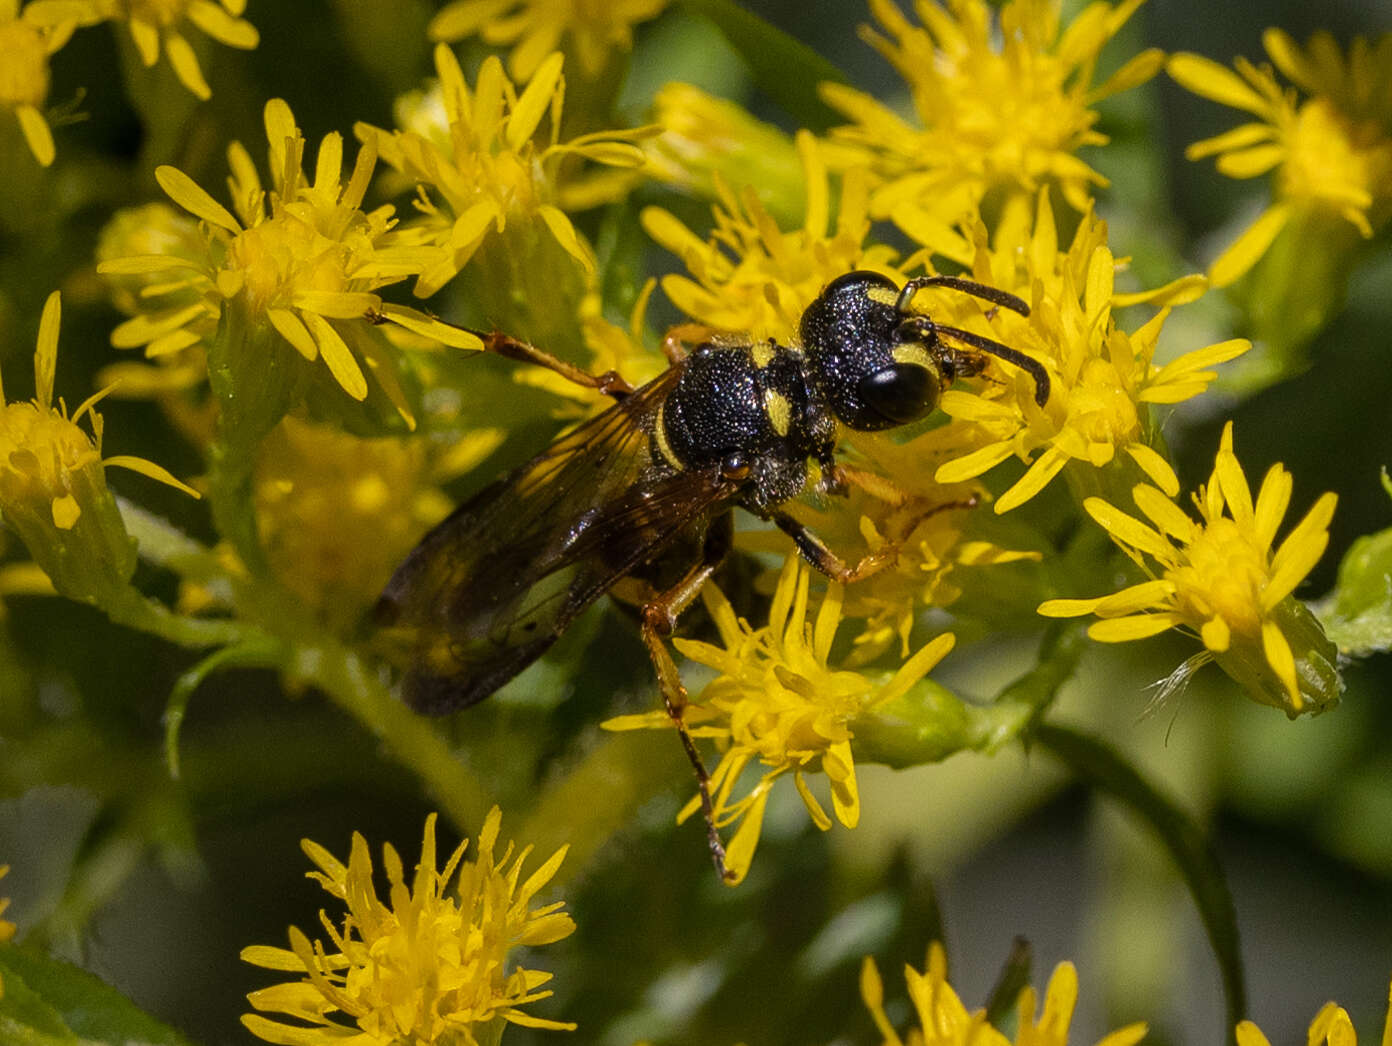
(732, 422)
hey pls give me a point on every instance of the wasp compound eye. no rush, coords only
(900, 393)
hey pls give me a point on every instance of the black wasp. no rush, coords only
(729, 424)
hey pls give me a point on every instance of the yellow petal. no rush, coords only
(1154, 465)
(1036, 478)
(36, 133)
(149, 468)
(185, 64)
(1139, 626)
(66, 512)
(531, 107)
(1206, 77)
(189, 195)
(1245, 251)
(337, 355)
(214, 20)
(46, 349)
(1282, 661)
(1215, 634)
(1251, 162)
(973, 464)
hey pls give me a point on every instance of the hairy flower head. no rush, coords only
(301, 260)
(1330, 152)
(1104, 380)
(753, 277)
(1001, 103)
(592, 30)
(1221, 578)
(488, 167)
(26, 44)
(160, 25)
(779, 704)
(944, 1021)
(427, 965)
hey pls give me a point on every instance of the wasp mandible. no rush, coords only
(732, 422)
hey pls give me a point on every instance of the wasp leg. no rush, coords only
(676, 340)
(659, 619)
(815, 551)
(610, 383)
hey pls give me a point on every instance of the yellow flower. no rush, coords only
(704, 138)
(944, 1021)
(773, 275)
(1221, 579)
(595, 29)
(53, 489)
(1103, 379)
(160, 24)
(303, 259)
(1331, 1026)
(1331, 153)
(337, 513)
(778, 702)
(488, 168)
(26, 44)
(423, 967)
(1001, 103)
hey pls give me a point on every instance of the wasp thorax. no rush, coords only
(872, 368)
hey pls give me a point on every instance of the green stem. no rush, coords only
(1106, 771)
(360, 691)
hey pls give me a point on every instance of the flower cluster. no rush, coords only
(428, 965)
(779, 704)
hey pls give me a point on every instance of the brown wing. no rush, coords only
(491, 587)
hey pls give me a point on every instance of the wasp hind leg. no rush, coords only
(610, 383)
(659, 619)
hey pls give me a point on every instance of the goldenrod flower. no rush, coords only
(705, 138)
(490, 169)
(751, 276)
(1001, 103)
(779, 703)
(337, 513)
(422, 967)
(593, 29)
(26, 44)
(53, 489)
(1103, 379)
(1331, 1027)
(157, 25)
(302, 259)
(944, 1021)
(1221, 579)
(1331, 153)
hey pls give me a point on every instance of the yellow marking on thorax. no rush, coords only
(914, 352)
(883, 295)
(660, 435)
(762, 353)
(779, 411)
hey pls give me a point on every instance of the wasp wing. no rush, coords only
(492, 586)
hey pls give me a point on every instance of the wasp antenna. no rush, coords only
(1028, 364)
(956, 283)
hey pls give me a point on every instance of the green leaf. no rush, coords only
(1357, 615)
(47, 1002)
(1106, 771)
(785, 69)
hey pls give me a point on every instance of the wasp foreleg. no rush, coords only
(659, 619)
(815, 551)
(610, 383)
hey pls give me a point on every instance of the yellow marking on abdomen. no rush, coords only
(779, 411)
(762, 353)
